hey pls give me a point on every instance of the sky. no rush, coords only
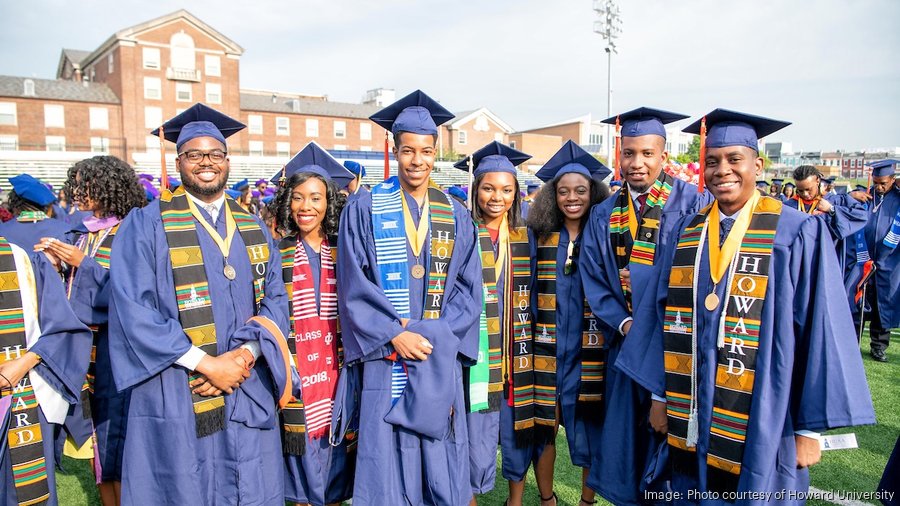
(829, 66)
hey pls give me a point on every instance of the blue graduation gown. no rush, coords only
(89, 298)
(887, 260)
(65, 350)
(396, 461)
(622, 445)
(809, 373)
(324, 473)
(164, 461)
(26, 234)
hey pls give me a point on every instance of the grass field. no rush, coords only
(846, 470)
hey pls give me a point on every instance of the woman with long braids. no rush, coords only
(499, 393)
(319, 467)
(108, 188)
(569, 352)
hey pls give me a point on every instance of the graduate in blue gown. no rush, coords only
(882, 233)
(783, 354)
(560, 214)
(29, 202)
(413, 444)
(503, 238)
(203, 416)
(45, 360)
(354, 186)
(309, 205)
(108, 188)
(625, 440)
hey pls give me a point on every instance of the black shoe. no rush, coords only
(878, 355)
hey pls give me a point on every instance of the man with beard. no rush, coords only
(618, 252)
(198, 299)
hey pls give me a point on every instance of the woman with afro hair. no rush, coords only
(108, 188)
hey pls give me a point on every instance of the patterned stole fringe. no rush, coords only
(892, 239)
(32, 216)
(294, 414)
(26, 448)
(486, 376)
(642, 247)
(545, 340)
(96, 245)
(738, 342)
(393, 265)
(192, 287)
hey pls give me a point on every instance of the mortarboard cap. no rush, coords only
(458, 192)
(732, 128)
(355, 167)
(233, 193)
(777, 181)
(314, 159)
(173, 183)
(269, 191)
(615, 183)
(241, 185)
(494, 157)
(790, 185)
(830, 179)
(644, 121)
(277, 177)
(151, 190)
(861, 187)
(145, 176)
(267, 199)
(199, 121)
(415, 113)
(261, 181)
(883, 168)
(533, 186)
(32, 190)
(571, 158)
(762, 184)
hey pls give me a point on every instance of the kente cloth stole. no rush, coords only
(192, 287)
(321, 355)
(96, 245)
(635, 238)
(393, 266)
(593, 352)
(26, 447)
(892, 239)
(485, 377)
(738, 340)
(32, 216)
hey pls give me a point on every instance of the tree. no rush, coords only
(692, 154)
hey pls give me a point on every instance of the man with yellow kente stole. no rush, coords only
(411, 296)
(198, 299)
(753, 346)
(619, 249)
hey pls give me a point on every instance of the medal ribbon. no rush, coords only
(230, 226)
(502, 248)
(416, 236)
(720, 259)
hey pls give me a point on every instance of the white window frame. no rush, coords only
(312, 127)
(8, 109)
(99, 144)
(110, 63)
(213, 93)
(99, 118)
(365, 131)
(9, 142)
(282, 125)
(53, 141)
(54, 116)
(462, 137)
(152, 88)
(365, 148)
(212, 64)
(152, 143)
(254, 124)
(151, 58)
(153, 116)
(283, 149)
(340, 129)
(256, 148)
(181, 88)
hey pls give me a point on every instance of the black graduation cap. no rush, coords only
(571, 158)
(199, 121)
(313, 158)
(644, 121)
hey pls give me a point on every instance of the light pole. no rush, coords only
(608, 25)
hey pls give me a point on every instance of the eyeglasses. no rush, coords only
(196, 156)
(572, 259)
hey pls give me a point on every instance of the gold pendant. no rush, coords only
(712, 302)
(418, 271)
(229, 272)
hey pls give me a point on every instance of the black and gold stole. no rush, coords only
(192, 286)
(738, 340)
(26, 447)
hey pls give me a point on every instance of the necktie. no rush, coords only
(213, 212)
(724, 227)
(642, 203)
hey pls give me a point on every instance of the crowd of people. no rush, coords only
(315, 341)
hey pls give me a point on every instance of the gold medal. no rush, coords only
(712, 302)
(418, 271)
(229, 272)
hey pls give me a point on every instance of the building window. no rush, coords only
(99, 145)
(110, 64)
(282, 125)
(340, 129)
(462, 139)
(183, 92)
(213, 93)
(512, 144)
(54, 116)
(365, 131)
(256, 148)
(213, 66)
(9, 143)
(365, 148)
(340, 147)
(151, 58)
(99, 118)
(312, 128)
(152, 143)
(152, 117)
(183, 52)
(7, 113)
(152, 88)
(255, 123)
(283, 149)
(56, 143)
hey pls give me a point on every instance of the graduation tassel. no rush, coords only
(693, 433)
(470, 194)
(700, 181)
(617, 166)
(163, 175)
(387, 162)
